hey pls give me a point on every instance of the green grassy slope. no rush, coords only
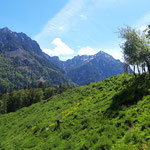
(111, 114)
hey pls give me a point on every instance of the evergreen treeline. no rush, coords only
(16, 99)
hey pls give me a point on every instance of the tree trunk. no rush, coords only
(143, 68)
(134, 71)
(138, 69)
(148, 66)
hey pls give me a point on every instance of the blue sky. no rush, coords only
(74, 27)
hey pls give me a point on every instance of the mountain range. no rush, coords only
(85, 69)
(110, 114)
(22, 62)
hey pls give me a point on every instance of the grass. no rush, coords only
(111, 114)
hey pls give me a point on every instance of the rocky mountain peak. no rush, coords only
(16, 41)
(90, 68)
(5, 29)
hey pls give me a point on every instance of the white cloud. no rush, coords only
(87, 51)
(74, 12)
(50, 52)
(60, 48)
(62, 21)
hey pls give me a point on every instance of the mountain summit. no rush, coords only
(22, 62)
(84, 69)
(12, 41)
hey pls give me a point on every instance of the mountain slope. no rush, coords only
(111, 114)
(22, 62)
(85, 69)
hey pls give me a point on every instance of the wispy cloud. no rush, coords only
(66, 22)
(62, 21)
(72, 13)
(60, 48)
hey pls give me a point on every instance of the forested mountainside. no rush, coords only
(111, 114)
(93, 68)
(22, 63)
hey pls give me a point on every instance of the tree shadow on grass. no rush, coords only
(134, 90)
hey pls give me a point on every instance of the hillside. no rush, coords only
(22, 62)
(85, 69)
(111, 114)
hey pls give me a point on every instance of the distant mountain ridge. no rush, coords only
(22, 62)
(84, 69)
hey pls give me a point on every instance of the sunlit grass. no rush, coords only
(103, 115)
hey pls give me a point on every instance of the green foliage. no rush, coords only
(16, 99)
(17, 74)
(136, 48)
(49, 92)
(22, 63)
(84, 118)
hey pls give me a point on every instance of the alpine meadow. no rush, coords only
(74, 76)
